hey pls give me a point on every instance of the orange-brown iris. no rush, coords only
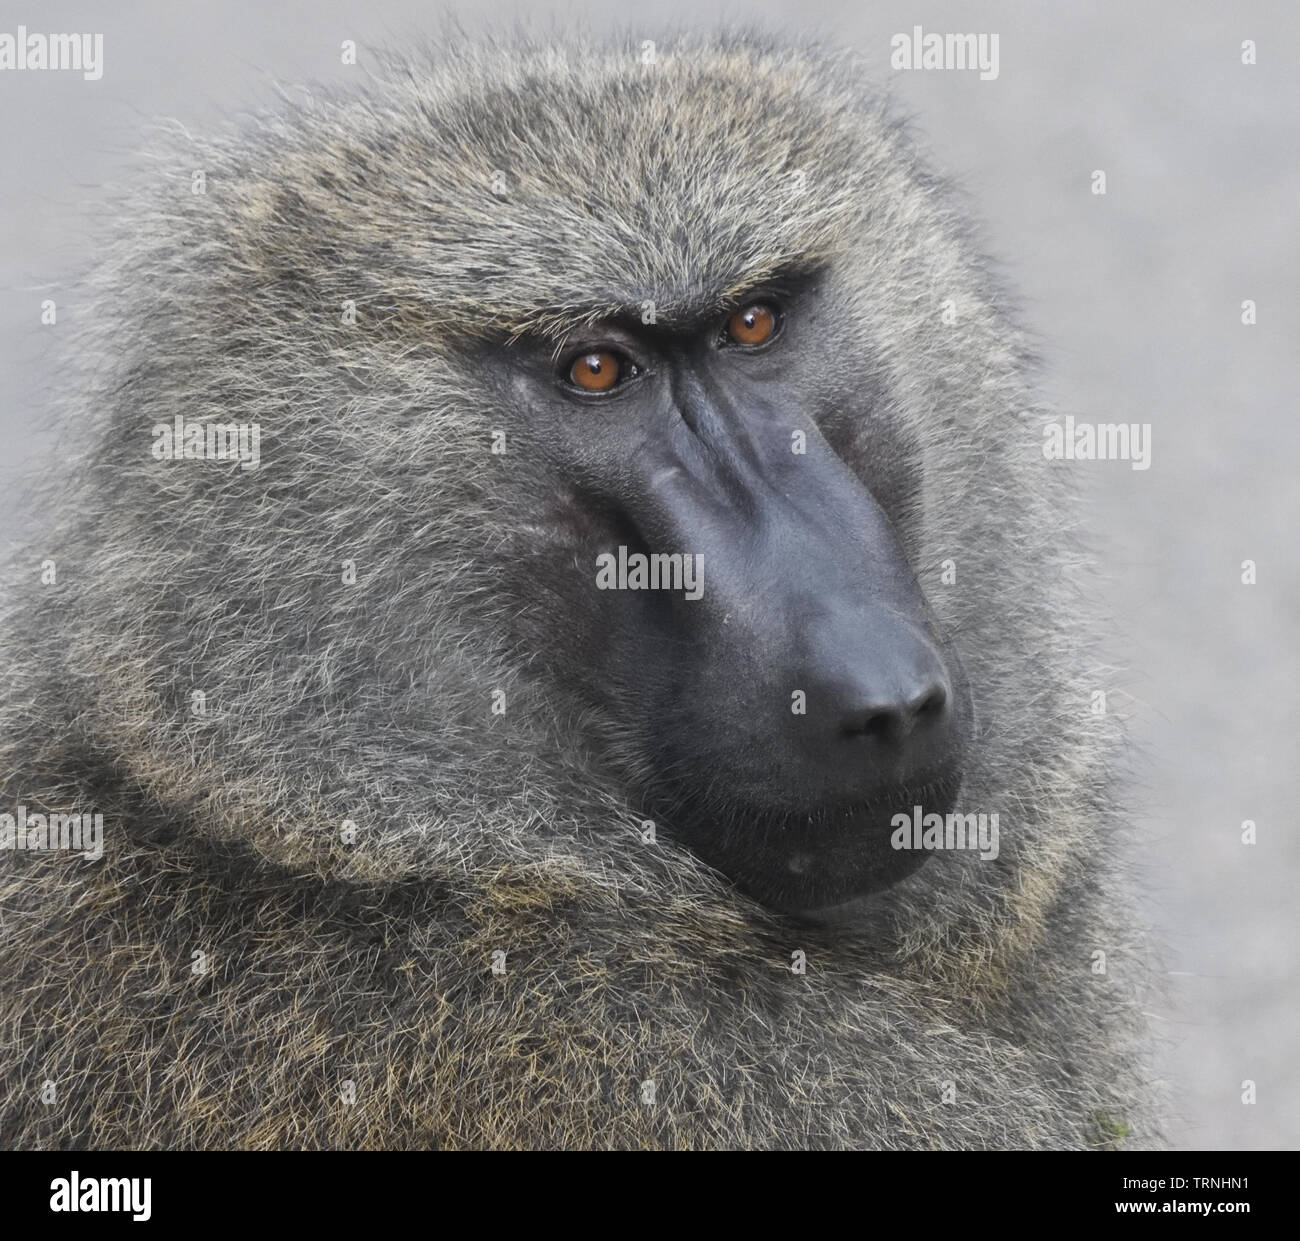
(753, 325)
(594, 372)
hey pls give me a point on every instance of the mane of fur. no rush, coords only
(369, 961)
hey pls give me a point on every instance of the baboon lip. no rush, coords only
(865, 814)
(818, 864)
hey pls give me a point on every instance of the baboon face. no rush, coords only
(737, 599)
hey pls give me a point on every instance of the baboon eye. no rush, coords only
(600, 370)
(754, 325)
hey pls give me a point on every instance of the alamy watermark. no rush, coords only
(208, 441)
(934, 832)
(78, 53)
(1103, 441)
(103, 1193)
(656, 571)
(83, 833)
(945, 51)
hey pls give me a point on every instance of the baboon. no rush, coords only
(531, 527)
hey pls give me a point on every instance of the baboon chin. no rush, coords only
(816, 865)
(559, 576)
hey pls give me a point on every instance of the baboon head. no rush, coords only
(656, 423)
(533, 522)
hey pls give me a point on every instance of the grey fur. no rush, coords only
(626, 962)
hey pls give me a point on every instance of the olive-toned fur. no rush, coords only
(343, 900)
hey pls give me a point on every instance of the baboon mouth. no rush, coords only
(819, 863)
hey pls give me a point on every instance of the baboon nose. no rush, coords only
(895, 717)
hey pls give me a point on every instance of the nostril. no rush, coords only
(893, 721)
(885, 723)
(931, 705)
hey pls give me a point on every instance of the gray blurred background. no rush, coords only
(1137, 299)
